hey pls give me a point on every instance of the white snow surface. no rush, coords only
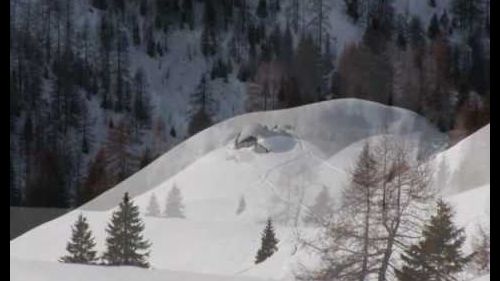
(213, 242)
(483, 278)
(468, 162)
(327, 126)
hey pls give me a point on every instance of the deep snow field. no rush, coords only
(310, 147)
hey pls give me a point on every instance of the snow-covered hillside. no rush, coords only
(320, 130)
(466, 165)
(310, 147)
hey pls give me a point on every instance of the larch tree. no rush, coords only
(81, 247)
(125, 244)
(381, 209)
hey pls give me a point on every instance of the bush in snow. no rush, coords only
(81, 247)
(174, 208)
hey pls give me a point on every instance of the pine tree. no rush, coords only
(81, 246)
(481, 247)
(438, 256)
(469, 13)
(433, 30)
(322, 208)
(262, 9)
(125, 243)
(146, 158)
(121, 159)
(352, 9)
(153, 207)
(201, 107)
(187, 13)
(268, 243)
(241, 206)
(174, 207)
(15, 195)
(208, 36)
(97, 180)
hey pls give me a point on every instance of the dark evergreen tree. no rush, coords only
(100, 4)
(208, 36)
(143, 8)
(268, 243)
(432, 3)
(174, 207)
(146, 158)
(201, 108)
(262, 9)
(242, 204)
(150, 44)
(15, 194)
(125, 244)
(417, 38)
(352, 9)
(187, 13)
(402, 29)
(444, 21)
(173, 132)
(81, 247)
(482, 251)
(97, 180)
(468, 13)
(136, 32)
(438, 256)
(106, 35)
(142, 104)
(433, 30)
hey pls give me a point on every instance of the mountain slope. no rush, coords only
(214, 240)
(329, 126)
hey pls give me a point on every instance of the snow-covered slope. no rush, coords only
(213, 240)
(466, 165)
(328, 126)
(21, 270)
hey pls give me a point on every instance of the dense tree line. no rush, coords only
(59, 70)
